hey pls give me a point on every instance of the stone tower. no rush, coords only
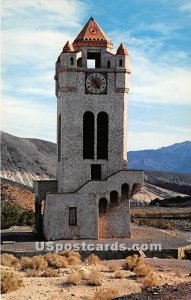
(90, 198)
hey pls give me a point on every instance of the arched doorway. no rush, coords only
(113, 198)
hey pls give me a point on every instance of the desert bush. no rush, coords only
(56, 261)
(74, 278)
(94, 278)
(149, 281)
(105, 294)
(10, 282)
(26, 262)
(33, 273)
(120, 274)
(13, 215)
(50, 273)
(93, 259)
(39, 262)
(114, 267)
(143, 269)
(74, 260)
(132, 262)
(9, 260)
(69, 253)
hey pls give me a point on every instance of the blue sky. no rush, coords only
(157, 35)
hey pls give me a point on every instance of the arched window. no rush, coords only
(102, 135)
(113, 198)
(102, 206)
(120, 63)
(124, 191)
(59, 137)
(79, 62)
(71, 61)
(88, 135)
(108, 64)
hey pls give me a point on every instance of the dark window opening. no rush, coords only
(103, 206)
(124, 191)
(136, 188)
(59, 137)
(88, 135)
(95, 172)
(71, 61)
(108, 64)
(73, 216)
(79, 62)
(102, 135)
(113, 198)
(94, 59)
(121, 63)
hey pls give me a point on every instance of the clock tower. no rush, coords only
(92, 85)
(93, 184)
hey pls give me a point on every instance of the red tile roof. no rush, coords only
(68, 48)
(122, 50)
(92, 35)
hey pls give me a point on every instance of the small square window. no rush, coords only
(95, 172)
(73, 216)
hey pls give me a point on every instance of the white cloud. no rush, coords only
(186, 6)
(158, 76)
(144, 140)
(29, 119)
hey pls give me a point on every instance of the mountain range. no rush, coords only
(24, 160)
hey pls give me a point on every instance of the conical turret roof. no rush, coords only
(68, 47)
(122, 50)
(92, 35)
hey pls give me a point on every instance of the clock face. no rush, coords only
(96, 83)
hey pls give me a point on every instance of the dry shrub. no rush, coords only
(39, 263)
(93, 259)
(143, 269)
(50, 273)
(74, 278)
(9, 260)
(94, 278)
(105, 294)
(132, 262)
(178, 273)
(114, 267)
(120, 274)
(26, 262)
(56, 261)
(150, 281)
(10, 282)
(74, 260)
(69, 253)
(33, 273)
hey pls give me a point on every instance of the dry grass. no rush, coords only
(33, 273)
(50, 273)
(26, 262)
(143, 269)
(10, 282)
(149, 281)
(74, 260)
(105, 294)
(56, 261)
(132, 262)
(9, 260)
(94, 278)
(74, 278)
(39, 262)
(114, 267)
(120, 274)
(68, 253)
(93, 259)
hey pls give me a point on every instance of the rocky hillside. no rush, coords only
(25, 160)
(175, 158)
